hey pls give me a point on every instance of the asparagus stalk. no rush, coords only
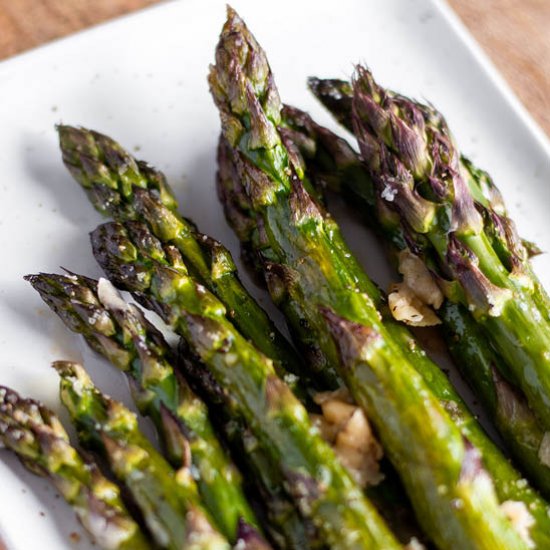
(120, 332)
(37, 437)
(333, 162)
(389, 496)
(67, 293)
(506, 406)
(334, 159)
(124, 188)
(321, 488)
(412, 159)
(168, 500)
(509, 483)
(281, 518)
(249, 227)
(302, 249)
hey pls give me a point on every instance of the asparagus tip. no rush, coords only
(71, 369)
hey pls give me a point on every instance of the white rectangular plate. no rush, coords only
(142, 80)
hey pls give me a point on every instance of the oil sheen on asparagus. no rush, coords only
(325, 294)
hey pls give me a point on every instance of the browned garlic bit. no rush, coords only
(346, 428)
(521, 519)
(405, 306)
(412, 300)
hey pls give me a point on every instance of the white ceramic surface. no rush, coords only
(142, 79)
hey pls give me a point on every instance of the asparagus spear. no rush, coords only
(120, 332)
(510, 484)
(281, 518)
(412, 159)
(124, 188)
(336, 160)
(337, 95)
(249, 227)
(302, 249)
(168, 500)
(388, 496)
(507, 407)
(334, 163)
(321, 488)
(127, 189)
(89, 309)
(37, 437)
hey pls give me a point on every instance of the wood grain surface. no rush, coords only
(25, 24)
(515, 35)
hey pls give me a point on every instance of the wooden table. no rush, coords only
(513, 32)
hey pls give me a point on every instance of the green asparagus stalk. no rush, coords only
(333, 162)
(319, 485)
(37, 437)
(505, 404)
(120, 332)
(473, 251)
(249, 228)
(303, 253)
(335, 159)
(388, 496)
(281, 518)
(510, 485)
(167, 499)
(124, 188)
